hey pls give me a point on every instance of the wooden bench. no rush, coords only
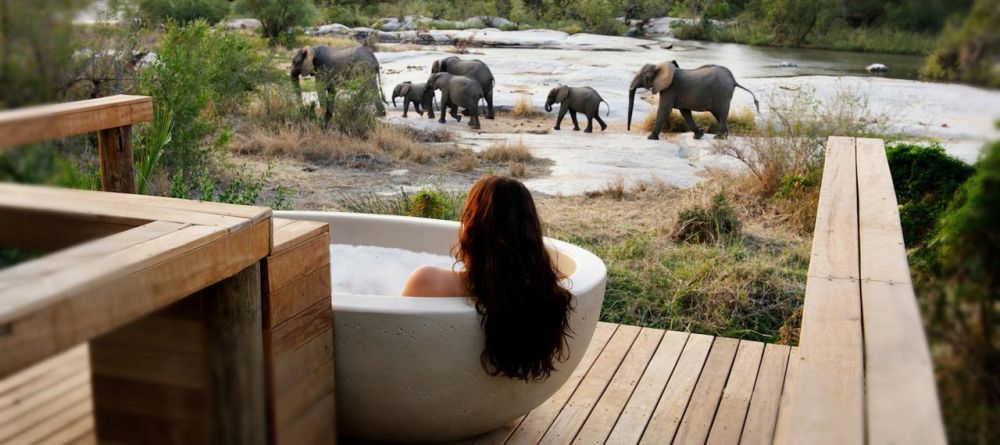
(863, 371)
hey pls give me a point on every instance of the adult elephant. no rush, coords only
(329, 65)
(707, 88)
(472, 68)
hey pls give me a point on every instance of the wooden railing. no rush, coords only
(863, 372)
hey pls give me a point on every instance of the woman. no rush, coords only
(515, 284)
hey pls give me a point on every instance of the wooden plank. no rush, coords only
(786, 413)
(283, 304)
(120, 428)
(49, 369)
(180, 369)
(76, 430)
(37, 419)
(291, 235)
(538, 420)
(235, 359)
(727, 426)
(25, 406)
(674, 400)
(576, 411)
(299, 330)
(293, 402)
(104, 294)
(287, 266)
(902, 400)
(34, 230)
(630, 425)
(115, 155)
(316, 426)
(762, 416)
(47, 122)
(148, 398)
(707, 393)
(55, 421)
(605, 413)
(290, 367)
(116, 207)
(833, 255)
(829, 389)
(500, 435)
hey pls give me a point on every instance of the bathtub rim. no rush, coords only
(588, 278)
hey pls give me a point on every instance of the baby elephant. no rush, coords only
(456, 91)
(577, 99)
(411, 93)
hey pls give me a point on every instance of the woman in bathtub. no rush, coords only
(509, 274)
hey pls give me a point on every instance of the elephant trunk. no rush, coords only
(548, 107)
(394, 100)
(631, 103)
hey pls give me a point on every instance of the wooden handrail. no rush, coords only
(111, 117)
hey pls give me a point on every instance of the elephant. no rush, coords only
(706, 88)
(577, 99)
(328, 64)
(456, 91)
(410, 92)
(472, 68)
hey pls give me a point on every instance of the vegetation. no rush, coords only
(428, 202)
(712, 224)
(279, 17)
(969, 52)
(958, 282)
(740, 122)
(184, 11)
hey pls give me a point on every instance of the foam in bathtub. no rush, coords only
(373, 270)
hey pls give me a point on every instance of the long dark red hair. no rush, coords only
(524, 309)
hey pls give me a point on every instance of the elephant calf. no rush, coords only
(411, 93)
(456, 91)
(577, 99)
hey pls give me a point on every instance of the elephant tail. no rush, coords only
(755, 103)
(605, 103)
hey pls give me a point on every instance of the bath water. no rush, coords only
(373, 270)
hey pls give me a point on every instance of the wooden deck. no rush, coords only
(634, 385)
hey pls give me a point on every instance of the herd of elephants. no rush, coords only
(464, 83)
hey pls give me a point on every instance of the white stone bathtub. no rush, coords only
(408, 369)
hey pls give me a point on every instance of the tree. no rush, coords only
(184, 11)
(279, 16)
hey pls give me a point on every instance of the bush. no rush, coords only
(925, 179)
(428, 202)
(279, 17)
(969, 52)
(201, 72)
(355, 104)
(712, 224)
(508, 152)
(184, 11)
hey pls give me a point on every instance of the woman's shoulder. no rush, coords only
(431, 281)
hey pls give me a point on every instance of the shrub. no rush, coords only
(925, 179)
(354, 111)
(428, 202)
(507, 152)
(524, 108)
(198, 67)
(712, 224)
(279, 17)
(969, 52)
(184, 11)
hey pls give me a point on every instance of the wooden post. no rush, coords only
(115, 147)
(236, 359)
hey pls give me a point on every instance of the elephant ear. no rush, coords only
(307, 61)
(404, 89)
(436, 66)
(664, 77)
(562, 93)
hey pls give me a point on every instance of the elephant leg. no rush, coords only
(603, 125)
(444, 106)
(417, 108)
(576, 125)
(474, 118)
(562, 114)
(691, 124)
(406, 107)
(590, 125)
(378, 102)
(661, 119)
(455, 114)
(328, 102)
(489, 104)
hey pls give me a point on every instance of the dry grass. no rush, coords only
(524, 108)
(400, 47)
(386, 146)
(740, 121)
(507, 151)
(516, 169)
(466, 161)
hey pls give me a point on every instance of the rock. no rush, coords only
(499, 22)
(876, 68)
(389, 24)
(632, 32)
(247, 24)
(787, 64)
(335, 29)
(472, 22)
(435, 37)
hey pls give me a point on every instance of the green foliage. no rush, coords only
(713, 224)
(969, 52)
(280, 17)
(244, 188)
(184, 11)
(355, 104)
(925, 179)
(199, 72)
(428, 202)
(36, 51)
(46, 164)
(598, 16)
